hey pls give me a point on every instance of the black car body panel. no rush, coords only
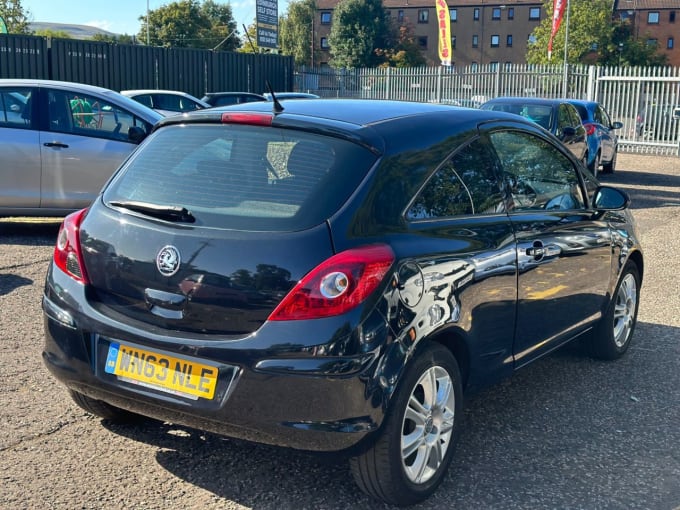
(513, 273)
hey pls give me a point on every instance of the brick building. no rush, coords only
(497, 31)
(653, 21)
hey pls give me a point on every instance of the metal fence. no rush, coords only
(120, 67)
(643, 99)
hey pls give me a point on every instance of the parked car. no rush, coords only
(229, 98)
(556, 115)
(602, 140)
(291, 95)
(167, 102)
(336, 276)
(657, 121)
(61, 141)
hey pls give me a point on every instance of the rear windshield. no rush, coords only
(540, 114)
(243, 177)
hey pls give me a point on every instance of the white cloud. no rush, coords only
(103, 24)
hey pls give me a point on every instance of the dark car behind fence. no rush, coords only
(122, 66)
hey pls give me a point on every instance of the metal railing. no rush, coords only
(643, 99)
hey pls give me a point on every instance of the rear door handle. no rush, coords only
(56, 144)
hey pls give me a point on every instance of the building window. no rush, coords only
(474, 65)
(495, 41)
(508, 41)
(511, 13)
(653, 18)
(496, 13)
(671, 17)
(475, 14)
(652, 42)
(422, 42)
(535, 13)
(453, 42)
(400, 16)
(453, 14)
(531, 38)
(493, 66)
(475, 41)
(507, 66)
(326, 18)
(671, 43)
(324, 43)
(423, 15)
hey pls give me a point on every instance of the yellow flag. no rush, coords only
(444, 31)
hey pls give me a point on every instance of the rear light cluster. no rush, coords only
(67, 253)
(590, 129)
(337, 285)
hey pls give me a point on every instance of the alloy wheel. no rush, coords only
(624, 310)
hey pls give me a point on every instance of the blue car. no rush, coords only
(602, 140)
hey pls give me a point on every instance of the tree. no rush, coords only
(57, 34)
(115, 38)
(593, 37)
(403, 51)
(359, 28)
(15, 16)
(295, 31)
(189, 24)
(590, 28)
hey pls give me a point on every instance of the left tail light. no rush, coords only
(337, 285)
(68, 255)
(590, 129)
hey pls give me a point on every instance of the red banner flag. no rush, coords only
(558, 13)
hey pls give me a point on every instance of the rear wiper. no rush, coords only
(163, 212)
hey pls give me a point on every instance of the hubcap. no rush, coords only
(624, 310)
(428, 425)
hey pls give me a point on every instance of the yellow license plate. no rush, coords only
(162, 372)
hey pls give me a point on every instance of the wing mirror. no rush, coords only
(610, 199)
(616, 125)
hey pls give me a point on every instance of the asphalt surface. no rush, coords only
(567, 432)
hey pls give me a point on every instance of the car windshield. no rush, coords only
(243, 177)
(540, 114)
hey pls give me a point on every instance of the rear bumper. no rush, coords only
(272, 393)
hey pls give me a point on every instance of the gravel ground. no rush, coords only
(567, 432)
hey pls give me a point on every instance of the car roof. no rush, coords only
(527, 100)
(155, 91)
(139, 109)
(370, 122)
(232, 93)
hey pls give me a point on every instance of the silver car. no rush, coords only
(167, 102)
(61, 141)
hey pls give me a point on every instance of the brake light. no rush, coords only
(337, 285)
(256, 119)
(590, 129)
(67, 253)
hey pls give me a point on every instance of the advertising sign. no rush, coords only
(267, 19)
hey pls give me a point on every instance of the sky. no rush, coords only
(121, 16)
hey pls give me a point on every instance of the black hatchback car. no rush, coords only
(335, 275)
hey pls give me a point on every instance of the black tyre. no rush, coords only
(104, 410)
(410, 458)
(614, 332)
(608, 168)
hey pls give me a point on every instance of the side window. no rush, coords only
(15, 107)
(563, 118)
(85, 115)
(465, 184)
(537, 174)
(145, 99)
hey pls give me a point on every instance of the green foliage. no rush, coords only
(250, 40)
(295, 31)
(57, 34)
(116, 39)
(590, 28)
(15, 16)
(190, 24)
(402, 50)
(593, 38)
(359, 28)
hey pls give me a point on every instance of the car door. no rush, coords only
(19, 140)
(83, 141)
(563, 252)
